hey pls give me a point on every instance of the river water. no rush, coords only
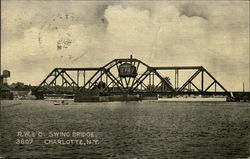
(128, 130)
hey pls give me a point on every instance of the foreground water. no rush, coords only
(142, 130)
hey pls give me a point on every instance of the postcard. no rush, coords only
(132, 79)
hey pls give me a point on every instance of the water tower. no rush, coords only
(6, 74)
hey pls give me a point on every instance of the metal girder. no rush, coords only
(156, 87)
(126, 84)
(209, 86)
(71, 79)
(166, 82)
(95, 82)
(114, 80)
(195, 86)
(80, 69)
(44, 81)
(189, 80)
(83, 87)
(140, 79)
(57, 72)
(178, 67)
(215, 80)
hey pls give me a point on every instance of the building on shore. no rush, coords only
(5, 91)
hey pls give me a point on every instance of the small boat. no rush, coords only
(57, 103)
(60, 103)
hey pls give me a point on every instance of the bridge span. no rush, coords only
(130, 77)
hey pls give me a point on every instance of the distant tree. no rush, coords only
(20, 86)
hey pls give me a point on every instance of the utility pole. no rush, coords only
(243, 87)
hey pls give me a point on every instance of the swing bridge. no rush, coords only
(130, 76)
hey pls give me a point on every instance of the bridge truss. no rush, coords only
(190, 80)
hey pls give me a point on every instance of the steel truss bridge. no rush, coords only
(169, 81)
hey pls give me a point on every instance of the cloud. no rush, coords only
(191, 9)
(47, 15)
(83, 34)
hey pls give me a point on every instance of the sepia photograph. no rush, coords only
(125, 79)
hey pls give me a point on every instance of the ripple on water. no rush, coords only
(131, 129)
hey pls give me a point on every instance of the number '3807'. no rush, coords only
(24, 141)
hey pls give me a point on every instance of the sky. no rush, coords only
(37, 36)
